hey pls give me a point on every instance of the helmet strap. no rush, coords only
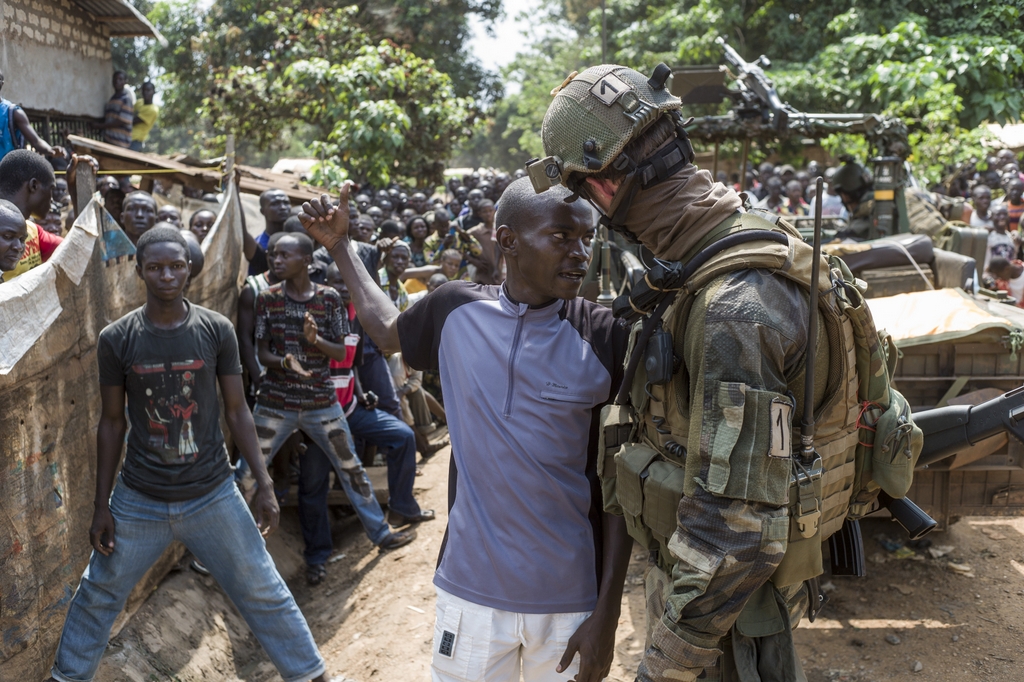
(655, 169)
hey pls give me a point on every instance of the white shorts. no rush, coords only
(473, 643)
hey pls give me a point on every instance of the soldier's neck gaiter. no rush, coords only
(671, 217)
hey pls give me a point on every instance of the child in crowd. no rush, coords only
(433, 283)
(1009, 276)
(169, 213)
(981, 201)
(201, 223)
(1014, 201)
(453, 266)
(794, 205)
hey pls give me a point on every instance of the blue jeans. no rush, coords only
(329, 430)
(375, 376)
(378, 428)
(219, 529)
(389, 432)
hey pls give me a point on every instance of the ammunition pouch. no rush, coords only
(889, 442)
(649, 490)
(631, 468)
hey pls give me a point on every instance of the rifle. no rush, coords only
(950, 429)
(947, 430)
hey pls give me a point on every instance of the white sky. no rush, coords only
(497, 51)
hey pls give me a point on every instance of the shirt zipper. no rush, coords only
(511, 366)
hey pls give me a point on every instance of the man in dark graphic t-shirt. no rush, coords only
(166, 361)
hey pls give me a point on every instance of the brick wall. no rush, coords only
(61, 25)
(54, 56)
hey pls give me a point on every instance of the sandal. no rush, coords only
(399, 539)
(315, 574)
(397, 520)
(435, 448)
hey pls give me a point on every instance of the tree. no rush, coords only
(277, 74)
(391, 114)
(132, 55)
(510, 134)
(437, 30)
(944, 69)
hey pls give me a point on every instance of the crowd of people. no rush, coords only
(340, 358)
(322, 397)
(994, 196)
(789, 192)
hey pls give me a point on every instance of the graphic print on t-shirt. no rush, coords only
(170, 407)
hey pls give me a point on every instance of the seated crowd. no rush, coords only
(300, 343)
(995, 197)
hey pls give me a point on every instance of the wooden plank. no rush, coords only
(979, 450)
(335, 497)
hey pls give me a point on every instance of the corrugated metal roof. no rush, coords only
(121, 18)
(253, 180)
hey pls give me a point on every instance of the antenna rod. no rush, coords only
(807, 427)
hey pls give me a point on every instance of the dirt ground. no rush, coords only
(956, 617)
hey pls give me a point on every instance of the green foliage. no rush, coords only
(391, 113)
(511, 134)
(945, 68)
(131, 55)
(437, 30)
(277, 74)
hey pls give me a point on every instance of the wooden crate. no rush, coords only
(929, 376)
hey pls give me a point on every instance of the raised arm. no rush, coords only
(421, 272)
(329, 226)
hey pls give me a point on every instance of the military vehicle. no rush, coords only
(958, 346)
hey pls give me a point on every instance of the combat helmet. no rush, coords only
(592, 118)
(852, 179)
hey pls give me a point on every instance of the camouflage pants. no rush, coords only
(769, 658)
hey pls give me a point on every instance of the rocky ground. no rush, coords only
(951, 611)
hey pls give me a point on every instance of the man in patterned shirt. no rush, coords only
(118, 114)
(300, 327)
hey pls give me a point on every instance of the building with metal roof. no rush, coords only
(56, 57)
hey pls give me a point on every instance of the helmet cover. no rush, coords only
(595, 114)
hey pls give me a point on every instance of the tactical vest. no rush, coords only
(922, 216)
(864, 435)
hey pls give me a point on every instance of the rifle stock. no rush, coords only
(947, 430)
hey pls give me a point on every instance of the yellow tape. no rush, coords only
(145, 171)
(885, 195)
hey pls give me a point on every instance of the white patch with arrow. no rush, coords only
(609, 89)
(781, 429)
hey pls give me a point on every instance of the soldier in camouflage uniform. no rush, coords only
(615, 138)
(916, 211)
(854, 184)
